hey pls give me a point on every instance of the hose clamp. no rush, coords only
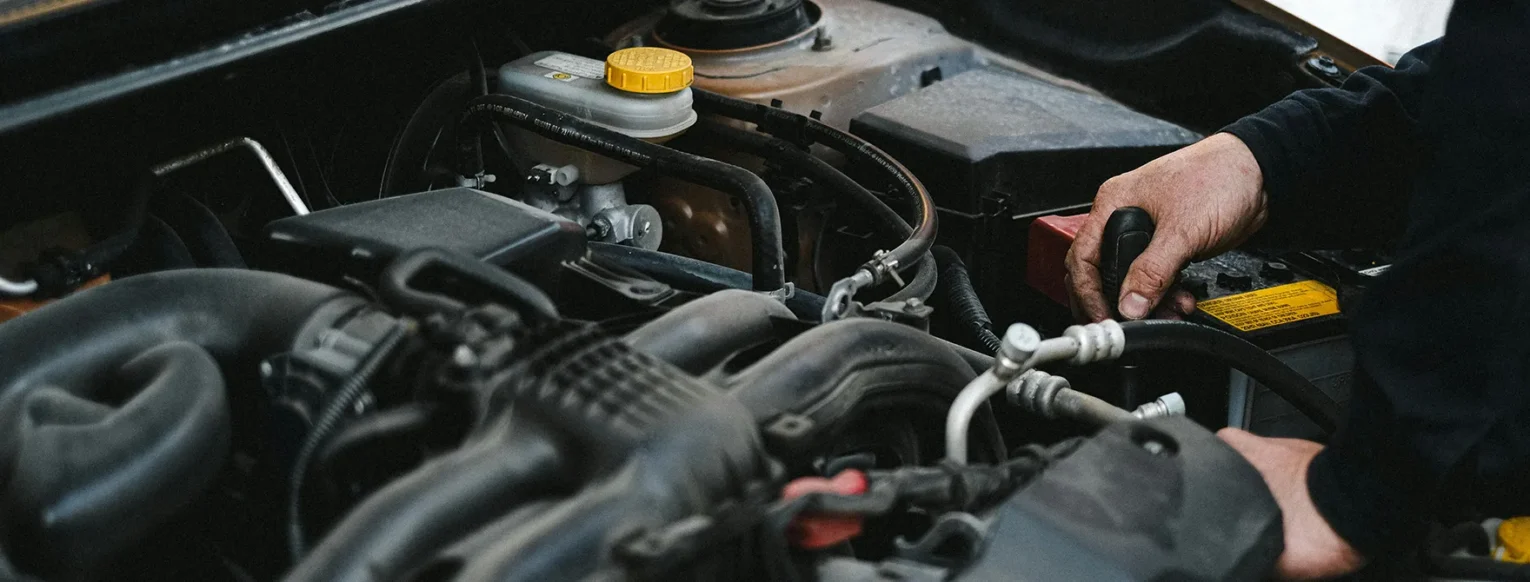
(786, 292)
(884, 267)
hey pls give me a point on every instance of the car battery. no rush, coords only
(1289, 304)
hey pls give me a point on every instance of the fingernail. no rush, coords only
(1135, 306)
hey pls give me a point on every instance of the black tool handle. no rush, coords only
(1127, 234)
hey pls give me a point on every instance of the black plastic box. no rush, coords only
(359, 239)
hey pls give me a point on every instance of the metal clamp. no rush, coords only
(786, 292)
(842, 294)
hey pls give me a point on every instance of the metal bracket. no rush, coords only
(842, 295)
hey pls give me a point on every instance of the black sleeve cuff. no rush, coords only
(1265, 134)
(1366, 483)
(1256, 132)
(1336, 493)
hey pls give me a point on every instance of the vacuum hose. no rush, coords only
(780, 122)
(800, 160)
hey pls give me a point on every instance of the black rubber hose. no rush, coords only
(1186, 337)
(701, 335)
(827, 371)
(84, 343)
(329, 418)
(475, 67)
(694, 275)
(778, 121)
(98, 468)
(62, 273)
(923, 283)
(884, 218)
(406, 164)
(108, 249)
(414, 517)
(768, 258)
(963, 299)
(208, 241)
(979, 361)
(801, 161)
(238, 316)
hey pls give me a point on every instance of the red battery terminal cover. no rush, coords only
(1047, 254)
(816, 531)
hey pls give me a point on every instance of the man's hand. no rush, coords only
(1313, 549)
(1204, 199)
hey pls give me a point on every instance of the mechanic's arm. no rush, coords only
(1322, 166)
(1442, 337)
(1441, 409)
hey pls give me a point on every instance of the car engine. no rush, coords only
(608, 290)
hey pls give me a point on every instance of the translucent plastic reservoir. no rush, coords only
(577, 86)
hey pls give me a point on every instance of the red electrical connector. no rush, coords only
(818, 531)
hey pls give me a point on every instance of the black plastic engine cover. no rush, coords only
(996, 133)
(359, 239)
(1157, 500)
(998, 148)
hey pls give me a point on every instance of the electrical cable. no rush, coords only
(17, 288)
(328, 419)
(963, 299)
(885, 265)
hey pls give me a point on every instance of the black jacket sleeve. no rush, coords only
(1443, 339)
(1338, 163)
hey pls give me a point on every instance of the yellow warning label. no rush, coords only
(1274, 306)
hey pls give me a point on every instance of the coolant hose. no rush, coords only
(827, 371)
(175, 334)
(701, 335)
(695, 275)
(768, 257)
(1186, 337)
(963, 299)
(801, 161)
(89, 474)
(778, 121)
(922, 285)
(238, 316)
(513, 462)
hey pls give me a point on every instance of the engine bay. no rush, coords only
(700, 289)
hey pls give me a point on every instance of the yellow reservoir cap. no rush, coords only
(649, 70)
(1514, 540)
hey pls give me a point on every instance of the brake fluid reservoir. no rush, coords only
(642, 92)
